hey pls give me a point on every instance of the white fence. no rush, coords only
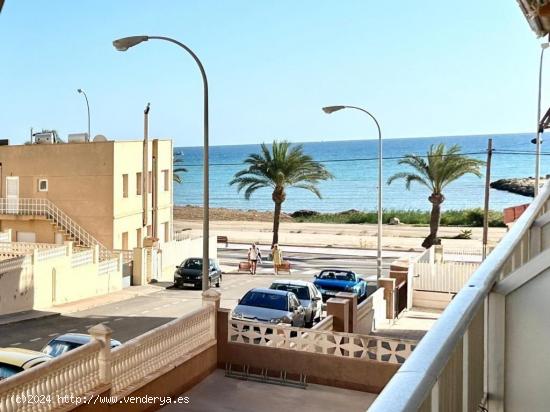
(16, 263)
(347, 345)
(442, 277)
(85, 257)
(137, 361)
(107, 266)
(44, 387)
(45, 254)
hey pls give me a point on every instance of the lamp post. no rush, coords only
(332, 109)
(80, 91)
(543, 46)
(123, 45)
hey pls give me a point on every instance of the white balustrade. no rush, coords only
(46, 254)
(16, 263)
(107, 266)
(347, 345)
(85, 257)
(75, 373)
(136, 361)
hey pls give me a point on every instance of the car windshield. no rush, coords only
(57, 348)
(8, 370)
(193, 264)
(335, 275)
(265, 300)
(301, 291)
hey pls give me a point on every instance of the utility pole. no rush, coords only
(145, 171)
(486, 206)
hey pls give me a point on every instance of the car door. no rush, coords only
(317, 301)
(299, 312)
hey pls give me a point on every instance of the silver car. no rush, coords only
(270, 306)
(308, 295)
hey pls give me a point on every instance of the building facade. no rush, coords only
(100, 187)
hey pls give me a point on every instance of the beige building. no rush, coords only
(92, 193)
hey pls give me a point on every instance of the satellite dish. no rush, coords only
(100, 138)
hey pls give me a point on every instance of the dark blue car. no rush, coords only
(331, 281)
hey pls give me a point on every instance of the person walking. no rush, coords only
(277, 257)
(253, 258)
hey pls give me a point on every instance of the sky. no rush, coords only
(430, 68)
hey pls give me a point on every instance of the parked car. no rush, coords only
(331, 281)
(270, 306)
(309, 296)
(15, 360)
(69, 341)
(189, 274)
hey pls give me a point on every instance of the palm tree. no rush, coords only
(442, 167)
(178, 168)
(282, 167)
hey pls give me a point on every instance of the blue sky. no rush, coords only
(430, 68)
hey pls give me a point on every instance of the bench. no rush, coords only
(223, 239)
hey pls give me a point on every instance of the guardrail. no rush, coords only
(340, 344)
(44, 387)
(136, 361)
(446, 370)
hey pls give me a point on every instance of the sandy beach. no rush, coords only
(253, 226)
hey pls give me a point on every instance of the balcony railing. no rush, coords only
(458, 365)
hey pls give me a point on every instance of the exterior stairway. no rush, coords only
(60, 220)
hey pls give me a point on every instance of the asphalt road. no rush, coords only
(133, 317)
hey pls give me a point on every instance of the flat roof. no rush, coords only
(222, 394)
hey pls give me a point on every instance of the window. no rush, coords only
(139, 238)
(150, 182)
(149, 230)
(165, 176)
(138, 183)
(125, 241)
(125, 185)
(42, 185)
(166, 231)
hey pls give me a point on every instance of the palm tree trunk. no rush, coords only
(435, 217)
(276, 219)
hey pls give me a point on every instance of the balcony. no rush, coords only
(489, 349)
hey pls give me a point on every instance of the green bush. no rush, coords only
(466, 217)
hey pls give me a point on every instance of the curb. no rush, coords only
(42, 316)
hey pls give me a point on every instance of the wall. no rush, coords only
(371, 313)
(45, 231)
(53, 281)
(175, 252)
(363, 375)
(79, 180)
(128, 212)
(527, 349)
(16, 285)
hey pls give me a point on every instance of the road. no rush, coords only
(135, 316)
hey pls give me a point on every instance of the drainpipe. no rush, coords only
(154, 187)
(145, 173)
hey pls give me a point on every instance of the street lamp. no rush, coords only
(123, 45)
(80, 91)
(332, 109)
(543, 46)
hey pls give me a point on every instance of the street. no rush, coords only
(132, 317)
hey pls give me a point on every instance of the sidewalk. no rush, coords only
(124, 294)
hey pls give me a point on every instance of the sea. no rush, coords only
(354, 166)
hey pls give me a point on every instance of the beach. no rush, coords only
(243, 226)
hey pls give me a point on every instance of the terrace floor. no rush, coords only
(412, 324)
(220, 393)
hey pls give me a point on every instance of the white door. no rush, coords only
(12, 194)
(29, 237)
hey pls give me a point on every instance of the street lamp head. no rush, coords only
(79, 90)
(126, 42)
(544, 45)
(332, 109)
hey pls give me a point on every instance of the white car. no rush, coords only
(308, 295)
